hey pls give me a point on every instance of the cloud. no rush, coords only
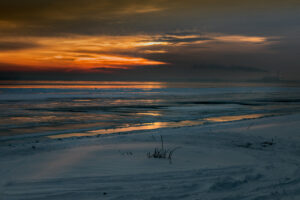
(82, 53)
(139, 9)
(12, 46)
(241, 38)
(183, 39)
(73, 33)
(198, 38)
(123, 17)
(86, 53)
(229, 68)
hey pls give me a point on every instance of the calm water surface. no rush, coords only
(59, 109)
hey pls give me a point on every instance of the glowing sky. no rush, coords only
(153, 40)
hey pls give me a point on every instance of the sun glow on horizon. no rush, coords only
(80, 53)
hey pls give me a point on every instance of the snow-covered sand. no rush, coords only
(248, 159)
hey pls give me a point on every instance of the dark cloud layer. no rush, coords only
(54, 17)
(188, 27)
(12, 46)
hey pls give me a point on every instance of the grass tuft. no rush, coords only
(162, 152)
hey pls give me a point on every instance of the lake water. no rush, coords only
(59, 109)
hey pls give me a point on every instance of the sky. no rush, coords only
(157, 40)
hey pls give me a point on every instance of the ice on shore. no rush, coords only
(81, 142)
(250, 159)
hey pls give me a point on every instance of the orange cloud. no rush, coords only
(90, 53)
(100, 52)
(241, 38)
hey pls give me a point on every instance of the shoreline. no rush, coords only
(137, 127)
(246, 159)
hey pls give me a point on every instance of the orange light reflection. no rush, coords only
(146, 126)
(82, 84)
(233, 118)
(157, 125)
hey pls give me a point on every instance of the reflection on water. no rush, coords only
(132, 84)
(233, 118)
(92, 107)
(157, 125)
(51, 128)
(150, 113)
(146, 126)
(82, 100)
(81, 84)
(136, 101)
